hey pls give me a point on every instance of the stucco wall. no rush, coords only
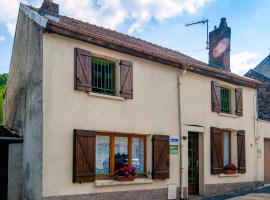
(196, 110)
(152, 111)
(23, 107)
(263, 128)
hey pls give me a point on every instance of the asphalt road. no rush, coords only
(262, 193)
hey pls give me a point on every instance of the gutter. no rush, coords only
(181, 137)
(11, 139)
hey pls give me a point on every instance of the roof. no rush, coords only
(258, 76)
(264, 67)
(9, 135)
(107, 38)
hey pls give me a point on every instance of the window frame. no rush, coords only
(112, 135)
(114, 75)
(222, 145)
(229, 100)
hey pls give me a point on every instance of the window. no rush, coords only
(226, 148)
(103, 76)
(225, 96)
(114, 151)
(226, 100)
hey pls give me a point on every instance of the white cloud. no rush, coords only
(2, 39)
(244, 61)
(108, 13)
(8, 13)
(112, 14)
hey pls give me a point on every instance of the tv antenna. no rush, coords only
(202, 21)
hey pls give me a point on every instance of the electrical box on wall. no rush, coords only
(172, 189)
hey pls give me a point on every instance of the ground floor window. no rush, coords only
(114, 151)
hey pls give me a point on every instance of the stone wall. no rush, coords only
(23, 109)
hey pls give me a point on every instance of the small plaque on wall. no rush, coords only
(174, 149)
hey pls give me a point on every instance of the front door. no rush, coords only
(266, 161)
(3, 170)
(193, 163)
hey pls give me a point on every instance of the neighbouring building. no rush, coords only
(87, 101)
(262, 73)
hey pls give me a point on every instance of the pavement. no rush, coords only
(261, 193)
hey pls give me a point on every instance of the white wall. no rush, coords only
(152, 111)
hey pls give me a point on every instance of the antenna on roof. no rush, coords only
(202, 21)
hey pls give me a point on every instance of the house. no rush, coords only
(262, 73)
(88, 101)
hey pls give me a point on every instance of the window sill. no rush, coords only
(229, 175)
(106, 96)
(111, 182)
(228, 115)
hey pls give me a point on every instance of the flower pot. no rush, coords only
(230, 171)
(125, 178)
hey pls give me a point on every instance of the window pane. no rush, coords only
(226, 148)
(225, 100)
(138, 154)
(103, 76)
(102, 154)
(121, 152)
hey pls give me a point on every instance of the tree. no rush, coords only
(3, 81)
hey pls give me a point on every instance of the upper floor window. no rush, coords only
(104, 76)
(226, 100)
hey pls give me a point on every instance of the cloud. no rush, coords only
(108, 13)
(244, 61)
(2, 39)
(8, 14)
(111, 14)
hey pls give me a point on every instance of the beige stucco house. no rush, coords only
(88, 101)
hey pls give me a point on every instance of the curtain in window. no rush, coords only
(102, 154)
(226, 148)
(121, 152)
(138, 154)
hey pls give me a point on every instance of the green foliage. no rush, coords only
(3, 81)
(2, 91)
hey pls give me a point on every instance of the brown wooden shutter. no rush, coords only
(241, 151)
(84, 156)
(239, 101)
(161, 159)
(126, 79)
(216, 151)
(215, 96)
(83, 70)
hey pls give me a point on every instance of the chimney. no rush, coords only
(49, 9)
(219, 46)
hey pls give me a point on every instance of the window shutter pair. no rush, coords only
(216, 151)
(83, 74)
(84, 156)
(215, 99)
(161, 159)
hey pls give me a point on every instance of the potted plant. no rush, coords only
(125, 174)
(230, 169)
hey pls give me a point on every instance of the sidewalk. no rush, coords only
(261, 193)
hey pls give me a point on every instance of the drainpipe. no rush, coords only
(181, 137)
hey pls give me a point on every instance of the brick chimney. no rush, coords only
(219, 46)
(49, 9)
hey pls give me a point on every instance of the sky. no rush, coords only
(163, 22)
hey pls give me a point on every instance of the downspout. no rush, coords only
(181, 137)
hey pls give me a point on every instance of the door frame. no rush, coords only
(201, 130)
